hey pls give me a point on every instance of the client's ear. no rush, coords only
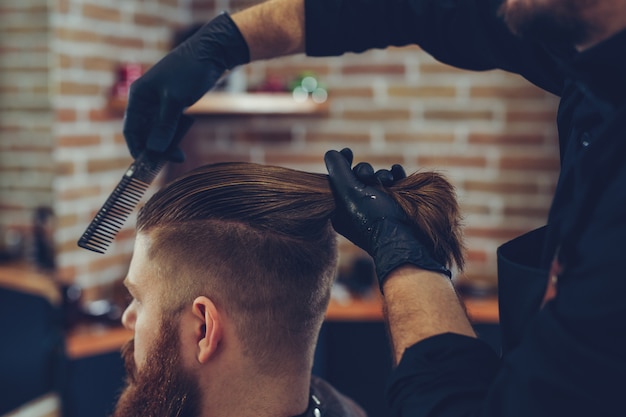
(208, 328)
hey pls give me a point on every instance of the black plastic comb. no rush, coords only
(120, 204)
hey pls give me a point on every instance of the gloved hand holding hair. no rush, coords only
(419, 228)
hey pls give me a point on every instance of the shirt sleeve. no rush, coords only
(571, 361)
(463, 33)
(445, 375)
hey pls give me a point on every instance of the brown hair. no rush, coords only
(257, 239)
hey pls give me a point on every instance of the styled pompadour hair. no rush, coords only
(258, 241)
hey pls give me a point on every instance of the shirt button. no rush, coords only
(317, 412)
(585, 140)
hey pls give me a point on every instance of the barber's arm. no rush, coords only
(420, 304)
(158, 98)
(420, 299)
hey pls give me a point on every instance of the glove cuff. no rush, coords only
(396, 246)
(221, 40)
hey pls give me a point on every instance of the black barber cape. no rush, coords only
(567, 357)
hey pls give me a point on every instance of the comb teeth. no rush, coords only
(120, 204)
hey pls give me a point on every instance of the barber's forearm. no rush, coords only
(273, 28)
(420, 304)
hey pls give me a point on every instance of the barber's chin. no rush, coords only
(546, 21)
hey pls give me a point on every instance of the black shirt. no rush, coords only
(567, 357)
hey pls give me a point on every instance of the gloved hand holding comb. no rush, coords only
(158, 98)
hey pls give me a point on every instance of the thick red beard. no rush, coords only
(162, 388)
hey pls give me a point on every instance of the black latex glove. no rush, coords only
(159, 97)
(372, 220)
(366, 174)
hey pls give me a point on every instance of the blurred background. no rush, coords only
(65, 67)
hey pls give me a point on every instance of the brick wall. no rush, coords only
(90, 40)
(25, 111)
(491, 133)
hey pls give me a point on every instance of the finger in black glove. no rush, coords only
(365, 173)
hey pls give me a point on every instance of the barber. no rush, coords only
(562, 309)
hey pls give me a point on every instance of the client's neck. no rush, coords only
(240, 393)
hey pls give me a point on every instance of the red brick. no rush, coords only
(62, 6)
(337, 138)
(25, 30)
(476, 256)
(527, 212)
(101, 115)
(159, 45)
(422, 91)
(124, 41)
(101, 13)
(67, 246)
(429, 137)
(78, 193)
(172, 3)
(79, 89)
(501, 187)
(351, 92)
(119, 138)
(21, 147)
(377, 114)
(65, 169)
(452, 161)
(96, 63)
(507, 92)
(65, 61)
(261, 137)
(10, 89)
(475, 209)
(144, 19)
(65, 115)
(480, 138)
(282, 158)
(377, 69)
(519, 115)
(78, 140)
(66, 274)
(498, 233)
(289, 71)
(108, 164)
(439, 68)
(66, 220)
(530, 163)
(458, 115)
(76, 35)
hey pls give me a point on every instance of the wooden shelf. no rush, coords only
(89, 340)
(95, 339)
(252, 104)
(23, 277)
